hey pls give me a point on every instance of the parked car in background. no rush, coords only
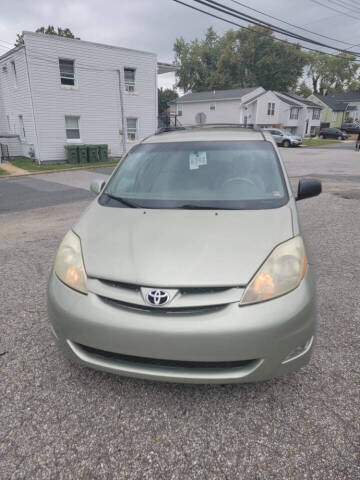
(353, 127)
(333, 133)
(140, 286)
(284, 137)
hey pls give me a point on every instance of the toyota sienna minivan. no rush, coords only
(190, 265)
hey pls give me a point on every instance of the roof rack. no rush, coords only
(209, 125)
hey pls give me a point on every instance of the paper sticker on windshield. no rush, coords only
(197, 159)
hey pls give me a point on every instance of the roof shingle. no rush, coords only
(216, 95)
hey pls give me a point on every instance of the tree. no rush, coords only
(164, 97)
(49, 30)
(197, 61)
(303, 90)
(242, 58)
(331, 74)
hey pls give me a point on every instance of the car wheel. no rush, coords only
(340, 137)
(286, 144)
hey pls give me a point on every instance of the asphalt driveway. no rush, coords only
(60, 421)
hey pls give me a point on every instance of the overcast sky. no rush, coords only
(153, 25)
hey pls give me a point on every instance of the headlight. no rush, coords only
(69, 265)
(282, 272)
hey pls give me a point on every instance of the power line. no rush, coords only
(290, 24)
(247, 28)
(334, 9)
(345, 6)
(235, 13)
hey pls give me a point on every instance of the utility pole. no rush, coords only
(124, 132)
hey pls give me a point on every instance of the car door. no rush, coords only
(278, 136)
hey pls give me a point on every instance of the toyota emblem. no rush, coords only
(158, 298)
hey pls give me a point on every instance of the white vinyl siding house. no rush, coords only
(249, 106)
(15, 101)
(71, 90)
(212, 107)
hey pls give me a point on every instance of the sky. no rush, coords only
(154, 25)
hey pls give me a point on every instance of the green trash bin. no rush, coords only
(93, 153)
(103, 152)
(72, 153)
(83, 153)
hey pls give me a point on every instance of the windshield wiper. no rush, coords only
(124, 201)
(194, 206)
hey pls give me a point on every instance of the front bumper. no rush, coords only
(296, 143)
(251, 342)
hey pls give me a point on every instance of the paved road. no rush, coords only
(60, 421)
(47, 189)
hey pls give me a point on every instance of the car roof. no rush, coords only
(206, 133)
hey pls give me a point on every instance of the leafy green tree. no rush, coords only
(303, 90)
(331, 74)
(49, 30)
(241, 58)
(164, 97)
(197, 61)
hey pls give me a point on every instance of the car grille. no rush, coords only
(186, 300)
(162, 310)
(103, 354)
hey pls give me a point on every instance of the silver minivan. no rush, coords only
(189, 266)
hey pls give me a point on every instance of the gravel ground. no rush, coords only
(61, 421)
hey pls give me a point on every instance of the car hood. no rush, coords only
(177, 248)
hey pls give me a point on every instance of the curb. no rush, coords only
(57, 171)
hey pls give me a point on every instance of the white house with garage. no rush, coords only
(57, 91)
(249, 106)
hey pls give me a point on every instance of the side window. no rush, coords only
(179, 109)
(131, 127)
(67, 72)
(129, 76)
(271, 109)
(212, 106)
(316, 114)
(72, 128)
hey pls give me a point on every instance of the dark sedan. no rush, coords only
(333, 133)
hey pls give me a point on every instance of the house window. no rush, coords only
(22, 126)
(316, 114)
(131, 127)
(294, 113)
(129, 75)
(13, 69)
(72, 128)
(212, 106)
(271, 109)
(67, 73)
(334, 116)
(179, 110)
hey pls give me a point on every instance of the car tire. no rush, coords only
(321, 136)
(286, 144)
(340, 137)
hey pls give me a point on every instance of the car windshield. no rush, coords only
(213, 175)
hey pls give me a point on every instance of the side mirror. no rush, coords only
(96, 186)
(308, 187)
